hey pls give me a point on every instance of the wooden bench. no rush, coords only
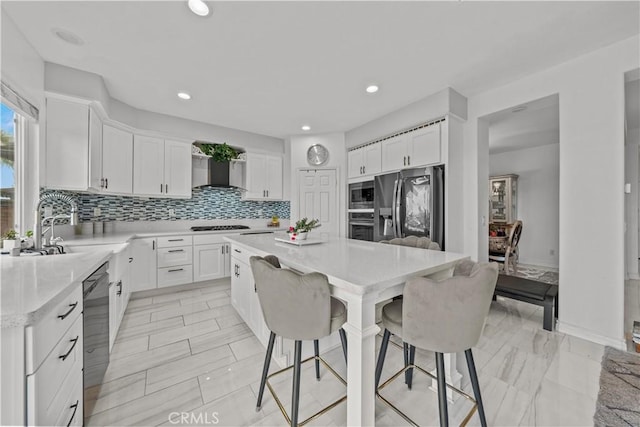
(533, 292)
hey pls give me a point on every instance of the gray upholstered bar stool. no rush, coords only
(297, 307)
(443, 317)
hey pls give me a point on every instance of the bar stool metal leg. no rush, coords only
(265, 369)
(412, 359)
(295, 398)
(381, 356)
(442, 391)
(405, 354)
(476, 386)
(343, 339)
(316, 352)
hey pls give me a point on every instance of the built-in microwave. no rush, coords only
(361, 195)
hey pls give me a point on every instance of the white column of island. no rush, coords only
(361, 274)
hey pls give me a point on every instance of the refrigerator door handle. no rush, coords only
(396, 208)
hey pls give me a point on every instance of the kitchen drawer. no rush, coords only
(48, 387)
(241, 254)
(41, 337)
(168, 257)
(72, 413)
(178, 275)
(171, 241)
(208, 239)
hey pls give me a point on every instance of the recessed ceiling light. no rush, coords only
(67, 36)
(184, 95)
(306, 127)
(372, 89)
(198, 7)
(519, 109)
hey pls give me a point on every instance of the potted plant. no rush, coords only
(219, 152)
(10, 240)
(302, 227)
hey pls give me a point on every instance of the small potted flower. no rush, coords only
(10, 240)
(302, 227)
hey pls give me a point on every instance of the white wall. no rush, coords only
(23, 70)
(591, 96)
(538, 199)
(335, 143)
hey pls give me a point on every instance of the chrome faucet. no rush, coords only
(37, 227)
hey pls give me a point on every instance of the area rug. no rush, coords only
(539, 275)
(619, 396)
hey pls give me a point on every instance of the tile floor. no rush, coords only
(184, 352)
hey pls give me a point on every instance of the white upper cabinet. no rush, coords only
(177, 168)
(117, 160)
(424, 146)
(148, 165)
(264, 177)
(161, 167)
(420, 147)
(67, 147)
(95, 151)
(365, 160)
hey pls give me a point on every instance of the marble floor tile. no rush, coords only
(139, 302)
(178, 334)
(537, 341)
(228, 320)
(576, 372)
(247, 347)
(228, 379)
(212, 313)
(518, 368)
(583, 348)
(179, 311)
(150, 308)
(177, 296)
(219, 302)
(221, 294)
(125, 334)
(135, 319)
(556, 405)
(146, 360)
(179, 370)
(152, 409)
(218, 338)
(120, 391)
(122, 349)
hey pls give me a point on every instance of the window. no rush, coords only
(8, 167)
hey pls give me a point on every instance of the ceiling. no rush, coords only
(270, 67)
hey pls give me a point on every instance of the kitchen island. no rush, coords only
(361, 274)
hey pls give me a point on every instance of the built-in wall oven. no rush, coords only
(361, 195)
(361, 226)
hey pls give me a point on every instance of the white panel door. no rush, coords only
(356, 162)
(177, 168)
(274, 177)
(256, 176)
(208, 261)
(372, 159)
(117, 160)
(144, 269)
(424, 146)
(148, 165)
(318, 198)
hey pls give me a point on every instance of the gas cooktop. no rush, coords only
(219, 227)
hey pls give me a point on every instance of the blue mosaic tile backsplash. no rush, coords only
(205, 203)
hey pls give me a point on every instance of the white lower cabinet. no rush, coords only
(211, 257)
(119, 289)
(177, 275)
(244, 297)
(144, 269)
(175, 260)
(54, 386)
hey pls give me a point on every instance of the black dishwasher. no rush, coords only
(95, 332)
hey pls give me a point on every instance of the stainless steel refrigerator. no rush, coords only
(410, 202)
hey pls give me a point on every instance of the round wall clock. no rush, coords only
(317, 154)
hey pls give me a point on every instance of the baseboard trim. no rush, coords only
(588, 335)
(634, 276)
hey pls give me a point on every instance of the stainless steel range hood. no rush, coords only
(208, 173)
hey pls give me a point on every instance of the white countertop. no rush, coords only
(354, 265)
(30, 286)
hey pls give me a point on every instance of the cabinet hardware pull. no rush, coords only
(75, 409)
(130, 260)
(161, 188)
(238, 251)
(409, 160)
(176, 250)
(176, 269)
(404, 161)
(74, 341)
(119, 285)
(166, 188)
(222, 248)
(106, 183)
(101, 182)
(153, 245)
(267, 193)
(176, 240)
(364, 169)
(73, 307)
